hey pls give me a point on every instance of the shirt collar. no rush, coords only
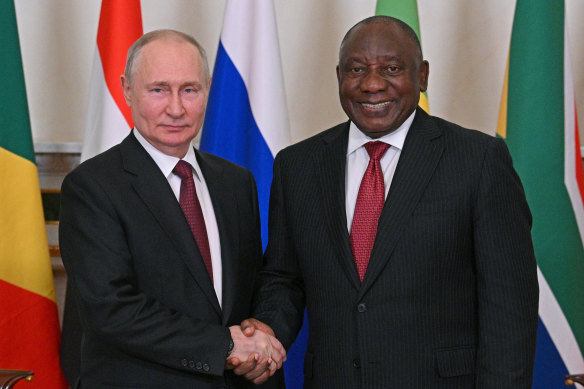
(166, 162)
(396, 138)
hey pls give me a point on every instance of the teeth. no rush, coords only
(379, 105)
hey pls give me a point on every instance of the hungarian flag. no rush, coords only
(29, 323)
(109, 120)
(406, 11)
(538, 121)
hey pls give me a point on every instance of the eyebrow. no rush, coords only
(166, 83)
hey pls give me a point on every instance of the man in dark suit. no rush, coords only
(161, 242)
(405, 236)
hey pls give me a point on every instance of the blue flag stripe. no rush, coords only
(550, 369)
(230, 130)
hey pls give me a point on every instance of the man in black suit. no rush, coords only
(405, 236)
(162, 242)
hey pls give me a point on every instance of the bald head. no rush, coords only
(387, 20)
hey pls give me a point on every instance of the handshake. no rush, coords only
(256, 353)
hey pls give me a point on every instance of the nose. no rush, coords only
(175, 106)
(373, 82)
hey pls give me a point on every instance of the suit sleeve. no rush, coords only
(115, 308)
(506, 275)
(280, 298)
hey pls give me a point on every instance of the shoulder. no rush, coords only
(313, 144)
(457, 138)
(103, 165)
(220, 170)
(212, 161)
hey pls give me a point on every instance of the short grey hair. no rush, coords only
(151, 36)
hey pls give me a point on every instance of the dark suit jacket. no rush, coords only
(150, 313)
(450, 296)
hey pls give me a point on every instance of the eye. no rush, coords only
(157, 90)
(356, 69)
(191, 89)
(392, 69)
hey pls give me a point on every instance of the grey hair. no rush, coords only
(137, 47)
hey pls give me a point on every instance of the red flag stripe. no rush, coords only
(578, 162)
(120, 24)
(24, 343)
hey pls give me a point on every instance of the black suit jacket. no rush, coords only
(150, 314)
(450, 296)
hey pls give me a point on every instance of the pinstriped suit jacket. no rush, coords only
(450, 296)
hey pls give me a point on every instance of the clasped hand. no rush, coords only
(256, 354)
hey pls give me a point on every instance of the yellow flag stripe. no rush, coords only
(502, 121)
(423, 103)
(24, 252)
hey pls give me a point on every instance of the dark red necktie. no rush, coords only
(189, 202)
(368, 207)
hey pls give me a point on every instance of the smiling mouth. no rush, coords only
(376, 106)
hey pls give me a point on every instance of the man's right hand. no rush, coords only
(256, 354)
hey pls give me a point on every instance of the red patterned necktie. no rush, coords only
(368, 207)
(189, 202)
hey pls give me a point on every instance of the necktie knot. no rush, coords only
(183, 169)
(376, 149)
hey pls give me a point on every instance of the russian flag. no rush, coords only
(247, 119)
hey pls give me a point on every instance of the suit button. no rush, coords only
(192, 364)
(206, 367)
(361, 307)
(184, 362)
(199, 365)
(356, 363)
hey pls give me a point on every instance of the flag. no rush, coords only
(247, 120)
(538, 121)
(406, 11)
(109, 120)
(29, 323)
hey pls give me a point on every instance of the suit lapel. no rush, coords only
(224, 206)
(421, 153)
(331, 170)
(154, 190)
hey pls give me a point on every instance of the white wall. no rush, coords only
(465, 41)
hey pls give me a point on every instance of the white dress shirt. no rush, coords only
(358, 159)
(166, 163)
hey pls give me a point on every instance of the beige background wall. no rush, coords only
(466, 42)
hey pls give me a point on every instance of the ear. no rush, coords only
(338, 75)
(126, 88)
(423, 74)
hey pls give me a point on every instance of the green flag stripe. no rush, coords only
(405, 10)
(15, 133)
(535, 136)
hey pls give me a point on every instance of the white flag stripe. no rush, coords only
(249, 27)
(105, 125)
